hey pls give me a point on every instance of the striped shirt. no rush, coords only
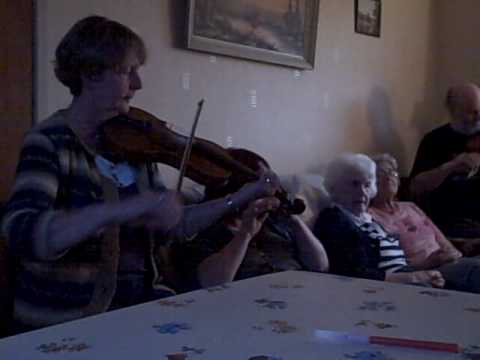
(55, 173)
(392, 257)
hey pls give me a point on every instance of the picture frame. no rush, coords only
(282, 32)
(368, 17)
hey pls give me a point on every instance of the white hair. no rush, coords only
(385, 158)
(343, 165)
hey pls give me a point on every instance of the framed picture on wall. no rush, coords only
(274, 31)
(368, 17)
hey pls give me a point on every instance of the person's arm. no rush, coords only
(36, 227)
(448, 251)
(311, 251)
(431, 166)
(198, 217)
(223, 265)
(438, 258)
(428, 181)
(67, 229)
(431, 179)
(31, 208)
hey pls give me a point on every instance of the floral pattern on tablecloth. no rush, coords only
(286, 286)
(269, 317)
(272, 304)
(377, 324)
(377, 305)
(369, 355)
(171, 328)
(218, 288)
(373, 290)
(64, 345)
(433, 293)
(174, 303)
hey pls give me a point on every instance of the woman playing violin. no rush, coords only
(250, 242)
(80, 224)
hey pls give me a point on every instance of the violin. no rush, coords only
(141, 137)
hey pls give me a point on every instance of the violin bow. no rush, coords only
(188, 147)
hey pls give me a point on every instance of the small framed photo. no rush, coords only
(368, 17)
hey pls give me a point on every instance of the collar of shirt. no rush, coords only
(364, 218)
(122, 174)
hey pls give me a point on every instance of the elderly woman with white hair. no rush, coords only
(356, 244)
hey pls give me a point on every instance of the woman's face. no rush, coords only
(387, 179)
(112, 91)
(354, 191)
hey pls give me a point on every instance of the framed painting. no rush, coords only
(368, 17)
(274, 31)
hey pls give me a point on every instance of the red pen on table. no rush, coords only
(344, 337)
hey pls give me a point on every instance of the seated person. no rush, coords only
(423, 243)
(80, 224)
(251, 242)
(357, 245)
(444, 180)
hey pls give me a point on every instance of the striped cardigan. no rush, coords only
(55, 173)
(351, 250)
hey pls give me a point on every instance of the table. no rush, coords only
(271, 317)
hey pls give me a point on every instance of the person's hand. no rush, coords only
(441, 256)
(431, 277)
(455, 254)
(255, 214)
(267, 185)
(161, 212)
(466, 163)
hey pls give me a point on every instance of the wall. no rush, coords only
(16, 93)
(365, 94)
(459, 50)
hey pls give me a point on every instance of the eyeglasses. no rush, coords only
(389, 172)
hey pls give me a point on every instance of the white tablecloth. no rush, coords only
(273, 317)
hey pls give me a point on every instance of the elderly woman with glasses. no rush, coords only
(356, 244)
(255, 240)
(424, 244)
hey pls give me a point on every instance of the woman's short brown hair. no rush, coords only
(93, 45)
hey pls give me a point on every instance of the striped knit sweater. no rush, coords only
(354, 249)
(392, 257)
(56, 173)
